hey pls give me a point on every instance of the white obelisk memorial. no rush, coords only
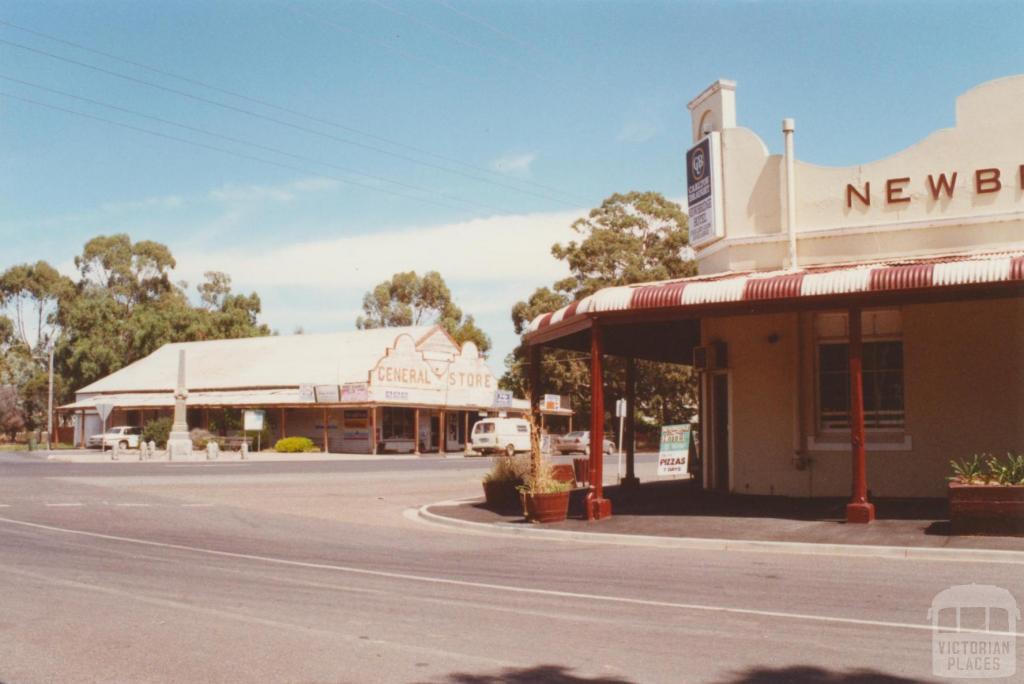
(179, 445)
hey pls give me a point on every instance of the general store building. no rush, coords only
(387, 390)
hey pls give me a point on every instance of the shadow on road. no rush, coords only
(544, 674)
(805, 674)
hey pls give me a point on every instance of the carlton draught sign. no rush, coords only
(704, 191)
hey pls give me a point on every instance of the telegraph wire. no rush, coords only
(272, 119)
(293, 112)
(241, 141)
(490, 27)
(233, 153)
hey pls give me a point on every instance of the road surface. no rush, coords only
(315, 572)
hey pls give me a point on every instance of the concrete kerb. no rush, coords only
(708, 544)
(81, 456)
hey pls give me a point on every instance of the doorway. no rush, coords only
(720, 445)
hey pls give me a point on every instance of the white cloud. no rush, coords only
(637, 131)
(284, 192)
(498, 249)
(516, 164)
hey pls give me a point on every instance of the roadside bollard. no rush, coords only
(244, 451)
(212, 450)
(115, 452)
(151, 450)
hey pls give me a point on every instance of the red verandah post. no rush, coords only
(859, 510)
(598, 507)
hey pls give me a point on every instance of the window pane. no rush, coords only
(832, 357)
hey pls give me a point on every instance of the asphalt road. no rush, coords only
(313, 572)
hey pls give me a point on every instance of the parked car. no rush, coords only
(124, 436)
(580, 441)
(501, 434)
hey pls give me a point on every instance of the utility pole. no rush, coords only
(49, 405)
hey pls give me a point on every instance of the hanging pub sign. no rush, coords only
(674, 451)
(704, 191)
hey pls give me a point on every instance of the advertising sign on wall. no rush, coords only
(327, 394)
(356, 426)
(552, 402)
(355, 392)
(703, 191)
(674, 452)
(307, 393)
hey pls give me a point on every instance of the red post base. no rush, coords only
(598, 509)
(860, 512)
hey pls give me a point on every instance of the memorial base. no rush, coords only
(179, 446)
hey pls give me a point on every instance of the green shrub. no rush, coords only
(157, 430)
(293, 445)
(988, 469)
(201, 438)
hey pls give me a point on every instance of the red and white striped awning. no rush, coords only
(816, 281)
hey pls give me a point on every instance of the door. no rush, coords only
(720, 432)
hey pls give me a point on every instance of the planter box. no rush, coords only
(544, 508)
(502, 496)
(986, 509)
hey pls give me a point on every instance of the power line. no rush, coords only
(233, 153)
(287, 110)
(272, 119)
(490, 27)
(309, 15)
(241, 141)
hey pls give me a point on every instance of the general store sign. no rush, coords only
(674, 451)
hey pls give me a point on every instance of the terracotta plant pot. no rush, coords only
(501, 496)
(544, 508)
(986, 509)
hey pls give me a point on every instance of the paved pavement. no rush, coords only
(315, 572)
(680, 510)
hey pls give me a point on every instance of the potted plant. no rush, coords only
(545, 498)
(986, 495)
(501, 483)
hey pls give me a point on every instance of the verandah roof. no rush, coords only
(815, 286)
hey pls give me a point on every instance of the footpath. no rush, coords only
(677, 514)
(132, 456)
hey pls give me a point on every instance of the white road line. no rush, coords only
(426, 579)
(133, 505)
(207, 465)
(197, 505)
(63, 505)
(5, 505)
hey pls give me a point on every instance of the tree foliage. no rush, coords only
(122, 307)
(409, 299)
(630, 238)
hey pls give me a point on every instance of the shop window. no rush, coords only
(397, 423)
(882, 378)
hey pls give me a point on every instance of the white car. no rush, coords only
(124, 436)
(580, 442)
(508, 435)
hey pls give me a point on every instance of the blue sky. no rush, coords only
(382, 135)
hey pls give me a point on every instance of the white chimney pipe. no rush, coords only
(788, 126)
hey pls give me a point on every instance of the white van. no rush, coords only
(501, 434)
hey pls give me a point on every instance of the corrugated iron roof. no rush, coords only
(816, 281)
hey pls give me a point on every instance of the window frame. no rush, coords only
(826, 429)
